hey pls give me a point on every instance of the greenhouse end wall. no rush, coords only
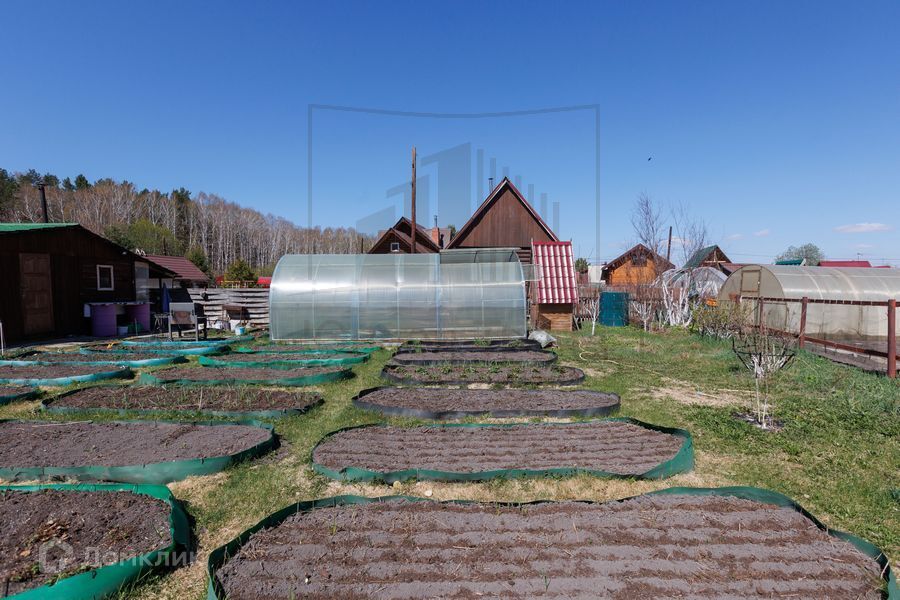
(395, 297)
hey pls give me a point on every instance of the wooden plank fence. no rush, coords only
(255, 301)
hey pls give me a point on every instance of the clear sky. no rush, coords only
(777, 122)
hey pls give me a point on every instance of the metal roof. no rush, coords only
(18, 227)
(557, 284)
(181, 266)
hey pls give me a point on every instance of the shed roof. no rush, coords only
(181, 266)
(639, 249)
(557, 284)
(18, 227)
(845, 263)
(712, 254)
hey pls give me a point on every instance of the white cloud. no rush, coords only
(862, 228)
(762, 233)
(735, 236)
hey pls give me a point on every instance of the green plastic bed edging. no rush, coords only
(16, 397)
(134, 364)
(408, 359)
(47, 405)
(310, 350)
(682, 462)
(388, 375)
(243, 361)
(152, 473)
(220, 555)
(167, 350)
(359, 401)
(151, 379)
(187, 343)
(109, 580)
(123, 373)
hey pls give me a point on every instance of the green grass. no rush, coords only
(838, 453)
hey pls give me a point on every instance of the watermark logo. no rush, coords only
(55, 556)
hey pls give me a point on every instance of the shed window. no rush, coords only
(395, 246)
(105, 280)
(639, 260)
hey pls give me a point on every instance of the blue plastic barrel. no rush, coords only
(614, 309)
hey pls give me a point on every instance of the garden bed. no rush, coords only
(284, 360)
(469, 345)
(681, 542)
(81, 534)
(220, 401)
(125, 359)
(307, 348)
(615, 447)
(435, 403)
(483, 373)
(245, 376)
(60, 374)
(127, 451)
(11, 393)
(446, 357)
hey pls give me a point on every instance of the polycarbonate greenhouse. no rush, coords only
(452, 295)
(826, 321)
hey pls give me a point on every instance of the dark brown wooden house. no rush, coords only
(504, 220)
(50, 271)
(711, 256)
(399, 239)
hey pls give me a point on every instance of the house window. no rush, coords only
(639, 260)
(395, 246)
(105, 278)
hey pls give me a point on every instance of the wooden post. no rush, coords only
(759, 313)
(802, 337)
(892, 338)
(669, 246)
(412, 248)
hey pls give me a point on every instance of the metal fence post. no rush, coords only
(801, 339)
(892, 338)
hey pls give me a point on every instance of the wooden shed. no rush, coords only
(399, 239)
(555, 293)
(51, 271)
(638, 266)
(711, 256)
(504, 220)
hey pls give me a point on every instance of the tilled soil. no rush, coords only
(285, 357)
(646, 547)
(14, 390)
(73, 357)
(238, 373)
(52, 371)
(533, 357)
(469, 346)
(73, 444)
(304, 348)
(484, 373)
(610, 446)
(186, 398)
(436, 403)
(101, 528)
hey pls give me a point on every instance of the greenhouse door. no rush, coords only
(37, 293)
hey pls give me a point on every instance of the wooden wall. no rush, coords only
(506, 224)
(630, 274)
(254, 300)
(553, 317)
(74, 256)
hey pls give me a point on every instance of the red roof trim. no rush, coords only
(558, 283)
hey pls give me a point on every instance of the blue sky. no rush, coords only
(777, 122)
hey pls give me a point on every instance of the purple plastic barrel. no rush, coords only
(103, 320)
(139, 313)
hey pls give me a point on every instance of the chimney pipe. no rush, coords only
(44, 202)
(412, 248)
(491, 183)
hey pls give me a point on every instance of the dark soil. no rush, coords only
(532, 357)
(284, 357)
(69, 357)
(469, 346)
(14, 390)
(646, 547)
(610, 446)
(52, 371)
(110, 444)
(484, 373)
(238, 373)
(301, 348)
(101, 528)
(435, 403)
(186, 398)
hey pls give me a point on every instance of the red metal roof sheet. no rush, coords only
(182, 267)
(557, 284)
(844, 263)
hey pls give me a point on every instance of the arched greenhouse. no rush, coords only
(451, 295)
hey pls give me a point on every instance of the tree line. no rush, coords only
(213, 232)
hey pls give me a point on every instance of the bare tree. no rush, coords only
(646, 218)
(691, 230)
(764, 354)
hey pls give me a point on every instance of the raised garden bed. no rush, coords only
(436, 403)
(469, 345)
(483, 373)
(248, 402)
(12, 393)
(245, 376)
(307, 348)
(62, 374)
(124, 359)
(519, 357)
(91, 539)
(186, 343)
(680, 542)
(197, 350)
(286, 360)
(610, 448)
(127, 451)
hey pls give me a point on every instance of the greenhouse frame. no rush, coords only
(843, 304)
(459, 294)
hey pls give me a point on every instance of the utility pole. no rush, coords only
(669, 247)
(412, 248)
(44, 202)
